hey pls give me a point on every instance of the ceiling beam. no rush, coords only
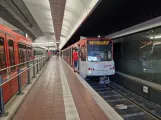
(57, 11)
(10, 13)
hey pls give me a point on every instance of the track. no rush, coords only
(138, 108)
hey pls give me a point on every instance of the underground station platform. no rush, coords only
(59, 93)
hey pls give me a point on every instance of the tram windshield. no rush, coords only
(99, 51)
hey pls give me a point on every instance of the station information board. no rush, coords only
(100, 42)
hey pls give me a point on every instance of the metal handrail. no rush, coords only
(39, 62)
(19, 64)
(19, 73)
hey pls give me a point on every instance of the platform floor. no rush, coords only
(59, 95)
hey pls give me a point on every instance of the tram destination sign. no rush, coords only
(95, 42)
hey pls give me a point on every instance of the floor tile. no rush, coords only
(102, 119)
(59, 109)
(91, 103)
(47, 103)
(51, 98)
(60, 116)
(58, 99)
(81, 106)
(48, 94)
(85, 115)
(58, 95)
(45, 114)
(58, 104)
(50, 91)
(98, 113)
(46, 108)
(77, 97)
(79, 101)
(46, 119)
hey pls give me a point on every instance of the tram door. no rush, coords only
(4, 63)
(12, 61)
(71, 56)
(78, 63)
(82, 62)
(71, 59)
(3, 49)
(3, 55)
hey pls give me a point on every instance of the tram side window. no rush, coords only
(83, 53)
(65, 54)
(22, 52)
(68, 54)
(20, 59)
(2, 54)
(11, 52)
(25, 54)
(21, 56)
(29, 53)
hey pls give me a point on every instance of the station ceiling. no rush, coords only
(114, 15)
(58, 19)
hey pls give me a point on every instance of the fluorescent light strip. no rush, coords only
(156, 37)
(43, 47)
(45, 43)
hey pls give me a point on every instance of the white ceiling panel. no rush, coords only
(40, 10)
(75, 12)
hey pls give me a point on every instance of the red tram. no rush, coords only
(14, 49)
(96, 57)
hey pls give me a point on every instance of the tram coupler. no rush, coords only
(104, 80)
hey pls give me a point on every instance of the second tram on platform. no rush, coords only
(96, 57)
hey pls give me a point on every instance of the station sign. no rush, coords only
(95, 42)
(145, 89)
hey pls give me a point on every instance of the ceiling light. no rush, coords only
(43, 47)
(44, 43)
(159, 36)
(155, 37)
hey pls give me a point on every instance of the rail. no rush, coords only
(19, 64)
(31, 64)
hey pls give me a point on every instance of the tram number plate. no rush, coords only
(145, 89)
(107, 66)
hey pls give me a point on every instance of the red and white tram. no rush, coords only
(96, 59)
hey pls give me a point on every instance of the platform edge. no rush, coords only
(107, 109)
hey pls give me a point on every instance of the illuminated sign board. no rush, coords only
(146, 42)
(94, 42)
